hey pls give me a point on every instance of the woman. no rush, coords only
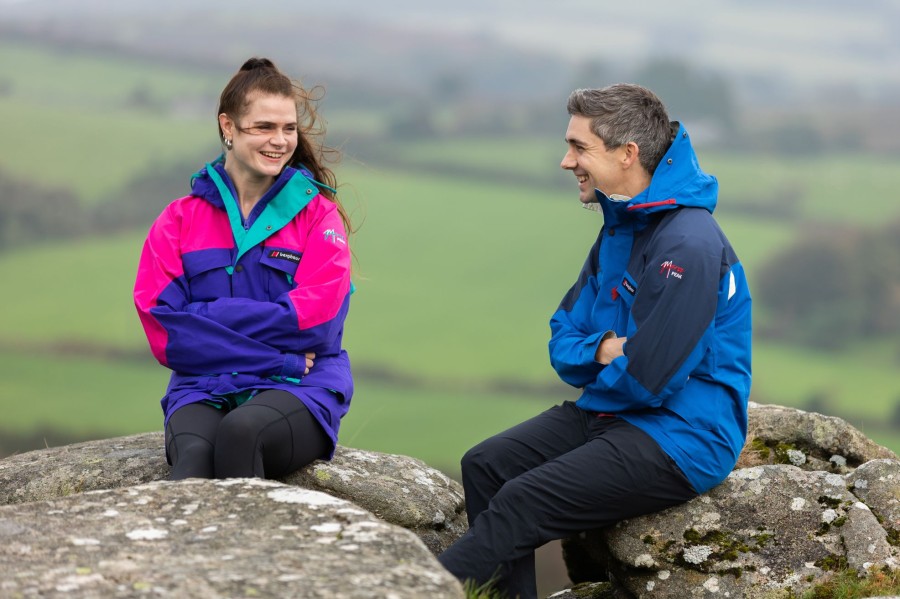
(243, 287)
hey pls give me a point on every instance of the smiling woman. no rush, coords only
(259, 150)
(243, 288)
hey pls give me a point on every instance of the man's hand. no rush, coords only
(610, 349)
(309, 361)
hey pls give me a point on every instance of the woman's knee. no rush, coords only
(240, 428)
(191, 456)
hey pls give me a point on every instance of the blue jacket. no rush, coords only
(664, 275)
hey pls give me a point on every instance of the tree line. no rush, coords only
(32, 213)
(833, 286)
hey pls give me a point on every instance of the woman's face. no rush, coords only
(264, 137)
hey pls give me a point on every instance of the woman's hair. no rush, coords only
(626, 112)
(261, 75)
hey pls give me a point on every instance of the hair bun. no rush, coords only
(257, 63)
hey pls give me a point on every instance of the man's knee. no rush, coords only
(472, 460)
(516, 495)
(484, 457)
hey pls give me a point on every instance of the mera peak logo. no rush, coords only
(670, 269)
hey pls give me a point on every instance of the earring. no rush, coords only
(228, 144)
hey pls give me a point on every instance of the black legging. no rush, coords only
(269, 436)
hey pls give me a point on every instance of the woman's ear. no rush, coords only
(227, 126)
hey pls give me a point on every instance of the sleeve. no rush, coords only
(187, 342)
(310, 317)
(573, 343)
(673, 311)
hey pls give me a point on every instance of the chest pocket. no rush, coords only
(205, 273)
(625, 292)
(279, 266)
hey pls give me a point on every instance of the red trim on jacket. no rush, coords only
(652, 204)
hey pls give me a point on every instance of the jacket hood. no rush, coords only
(677, 182)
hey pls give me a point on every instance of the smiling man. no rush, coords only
(655, 335)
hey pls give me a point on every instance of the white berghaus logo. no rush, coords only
(335, 237)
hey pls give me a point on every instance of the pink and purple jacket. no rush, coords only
(231, 305)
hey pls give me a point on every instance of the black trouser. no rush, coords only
(269, 436)
(557, 474)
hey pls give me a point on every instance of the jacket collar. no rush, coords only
(677, 181)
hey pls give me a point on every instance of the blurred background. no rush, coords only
(450, 119)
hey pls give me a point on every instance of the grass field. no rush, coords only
(92, 153)
(457, 276)
(835, 189)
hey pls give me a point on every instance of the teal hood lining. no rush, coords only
(279, 211)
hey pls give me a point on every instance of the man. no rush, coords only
(656, 335)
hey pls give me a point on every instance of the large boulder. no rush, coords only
(60, 471)
(808, 440)
(764, 528)
(399, 489)
(810, 495)
(212, 539)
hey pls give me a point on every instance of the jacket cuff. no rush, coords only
(593, 346)
(291, 367)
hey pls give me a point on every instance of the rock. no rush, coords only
(877, 484)
(589, 590)
(61, 471)
(780, 435)
(764, 528)
(825, 497)
(211, 539)
(399, 489)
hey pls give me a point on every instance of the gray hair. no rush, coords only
(626, 112)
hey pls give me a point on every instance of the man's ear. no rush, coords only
(631, 155)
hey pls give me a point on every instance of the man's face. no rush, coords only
(593, 165)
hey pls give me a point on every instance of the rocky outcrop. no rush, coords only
(808, 440)
(764, 528)
(811, 495)
(211, 539)
(399, 489)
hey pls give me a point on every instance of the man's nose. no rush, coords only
(568, 161)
